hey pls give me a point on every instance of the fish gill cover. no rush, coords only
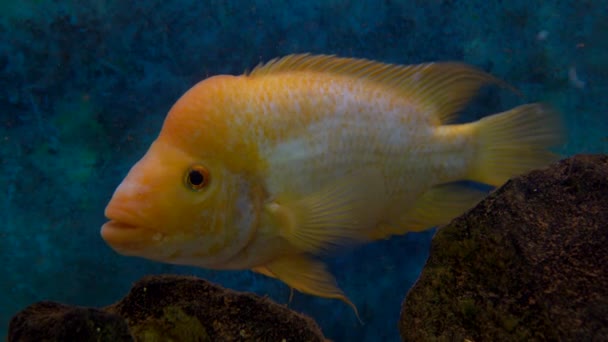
(86, 85)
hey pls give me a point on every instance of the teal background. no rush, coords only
(86, 84)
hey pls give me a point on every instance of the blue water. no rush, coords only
(86, 84)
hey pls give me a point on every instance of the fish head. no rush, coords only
(180, 205)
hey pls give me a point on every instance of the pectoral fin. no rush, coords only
(342, 212)
(307, 276)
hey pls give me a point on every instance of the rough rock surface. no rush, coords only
(167, 308)
(530, 262)
(50, 321)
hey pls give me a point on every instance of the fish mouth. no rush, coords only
(120, 225)
(125, 237)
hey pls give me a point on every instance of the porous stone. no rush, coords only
(530, 262)
(167, 308)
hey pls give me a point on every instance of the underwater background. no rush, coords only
(85, 86)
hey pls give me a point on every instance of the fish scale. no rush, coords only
(356, 129)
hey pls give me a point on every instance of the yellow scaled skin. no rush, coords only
(309, 153)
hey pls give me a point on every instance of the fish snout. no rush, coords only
(128, 203)
(131, 220)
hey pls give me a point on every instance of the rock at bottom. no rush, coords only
(167, 308)
(50, 321)
(530, 262)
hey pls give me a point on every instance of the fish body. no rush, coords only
(305, 154)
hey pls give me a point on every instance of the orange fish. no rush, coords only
(269, 170)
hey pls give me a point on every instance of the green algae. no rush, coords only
(173, 325)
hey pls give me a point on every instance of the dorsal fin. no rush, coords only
(442, 88)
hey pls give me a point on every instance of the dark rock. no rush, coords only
(530, 262)
(167, 308)
(190, 309)
(49, 321)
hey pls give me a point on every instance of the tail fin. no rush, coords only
(515, 142)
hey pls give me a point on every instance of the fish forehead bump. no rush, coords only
(199, 110)
(209, 122)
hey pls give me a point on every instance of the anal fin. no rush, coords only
(437, 206)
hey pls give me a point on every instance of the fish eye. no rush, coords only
(197, 177)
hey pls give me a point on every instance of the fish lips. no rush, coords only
(127, 239)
